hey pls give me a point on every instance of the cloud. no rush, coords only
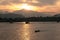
(34, 2)
(47, 2)
(7, 2)
(42, 5)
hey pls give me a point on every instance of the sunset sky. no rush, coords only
(34, 5)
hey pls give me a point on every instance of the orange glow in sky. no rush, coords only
(34, 5)
(25, 6)
(15, 7)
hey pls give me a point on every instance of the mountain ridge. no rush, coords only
(28, 13)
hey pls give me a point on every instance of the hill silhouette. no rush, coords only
(11, 15)
(29, 13)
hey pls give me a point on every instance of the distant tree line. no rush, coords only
(44, 19)
(31, 19)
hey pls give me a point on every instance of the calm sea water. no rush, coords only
(22, 31)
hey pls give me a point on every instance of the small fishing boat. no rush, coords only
(10, 21)
(26, 22)
(37, 30)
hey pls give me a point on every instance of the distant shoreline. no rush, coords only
(31, 19)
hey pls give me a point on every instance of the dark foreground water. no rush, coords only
(21, 31)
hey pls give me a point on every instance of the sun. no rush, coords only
(26, 7)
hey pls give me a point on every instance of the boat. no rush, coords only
(26, 22)
(37, 30)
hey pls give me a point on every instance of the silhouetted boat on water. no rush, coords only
(26, 22)
(10, 22)
(37, 30)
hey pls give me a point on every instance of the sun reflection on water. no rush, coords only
(25, 34)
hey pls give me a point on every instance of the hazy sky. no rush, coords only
(43, 5)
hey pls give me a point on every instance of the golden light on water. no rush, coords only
(25, 34)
